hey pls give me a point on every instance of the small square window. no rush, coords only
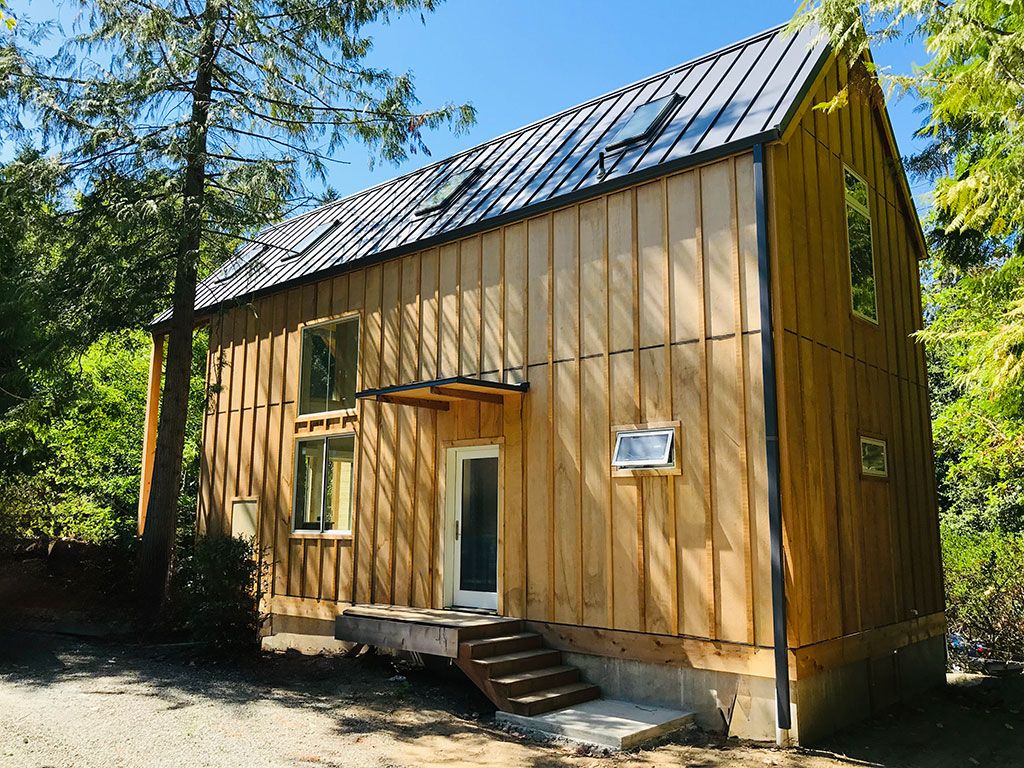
(873, 459)
(644, 449)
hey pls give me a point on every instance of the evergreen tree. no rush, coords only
(228, 104)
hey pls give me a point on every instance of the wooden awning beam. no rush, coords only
(415, 402)
(468, 394)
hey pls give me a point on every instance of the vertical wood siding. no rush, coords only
(636, 307)
(862, 552)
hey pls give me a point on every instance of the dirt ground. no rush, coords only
(70, 701)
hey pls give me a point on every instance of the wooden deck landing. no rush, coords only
(418, 630)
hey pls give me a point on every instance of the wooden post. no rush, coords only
(156, 363)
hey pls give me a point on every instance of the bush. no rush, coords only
(216, 592)
(985, 587)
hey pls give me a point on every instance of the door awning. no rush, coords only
(439, 393)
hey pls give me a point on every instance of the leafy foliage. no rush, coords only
(985, 587)
(71, 454)
(216, 592)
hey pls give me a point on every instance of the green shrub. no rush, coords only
(985, 587)
(216, 592)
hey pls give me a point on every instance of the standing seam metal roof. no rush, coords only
(733, 98)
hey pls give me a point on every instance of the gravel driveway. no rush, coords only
(67, 702)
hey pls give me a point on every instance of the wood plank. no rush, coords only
(448, 312)
(596, 493)
(567, 548)
(565, 276)
(536, 439)
(627, 597)
(469, 307)
(621, 317)
(515, 303)
(538, 290)
(492, 330)
(593, 293)
(409, 333)
(513, 581)
(429, 341)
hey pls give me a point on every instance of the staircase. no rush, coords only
(519, 674)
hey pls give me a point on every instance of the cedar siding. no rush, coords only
(635, 307)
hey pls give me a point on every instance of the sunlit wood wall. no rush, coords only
(636, 307)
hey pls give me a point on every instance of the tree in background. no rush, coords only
(229, 103)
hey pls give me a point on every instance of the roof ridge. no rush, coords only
(516, 131)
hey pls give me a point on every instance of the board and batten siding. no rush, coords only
(636, 307)
(864, 550)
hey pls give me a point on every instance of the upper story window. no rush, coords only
(330, 362)
(858, 235)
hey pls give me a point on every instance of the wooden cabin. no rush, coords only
(623, 403)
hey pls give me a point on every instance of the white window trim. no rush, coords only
(346, 318)
(323, 492)
(866, 211)
(667, 459)
(885, 455)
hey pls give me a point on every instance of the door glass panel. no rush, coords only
(478, 551)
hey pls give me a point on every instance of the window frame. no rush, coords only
(878, 441)
(320, 232)
(324, 438)
(648, 470)
(848, 200)
(357, 316)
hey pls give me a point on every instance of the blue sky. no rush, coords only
(518, 61)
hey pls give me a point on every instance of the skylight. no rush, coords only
(313, 237)
(240, 261)
(644, 121)
(447, 191)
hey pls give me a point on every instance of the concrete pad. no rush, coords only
(603, 722)
(307, 644)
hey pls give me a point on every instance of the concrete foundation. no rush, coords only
(744, 706)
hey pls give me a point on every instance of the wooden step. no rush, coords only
(495, 646)
(534, 680)
(539, 702)
(520, 661)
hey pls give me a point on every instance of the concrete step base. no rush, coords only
(602, 722)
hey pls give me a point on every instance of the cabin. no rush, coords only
(624, 403)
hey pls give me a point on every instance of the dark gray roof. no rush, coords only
(732, 99)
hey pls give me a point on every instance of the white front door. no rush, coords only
(473, 499)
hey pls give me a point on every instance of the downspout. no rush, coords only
(783, 719)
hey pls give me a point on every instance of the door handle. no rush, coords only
(457, 530)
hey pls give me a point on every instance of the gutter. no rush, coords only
(783, 716)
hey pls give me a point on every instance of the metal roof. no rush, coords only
(731, 99)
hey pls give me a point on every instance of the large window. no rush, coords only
(324, 483)
(330, 359)
(858, 233)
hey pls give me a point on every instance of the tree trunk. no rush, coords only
(156, 550)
